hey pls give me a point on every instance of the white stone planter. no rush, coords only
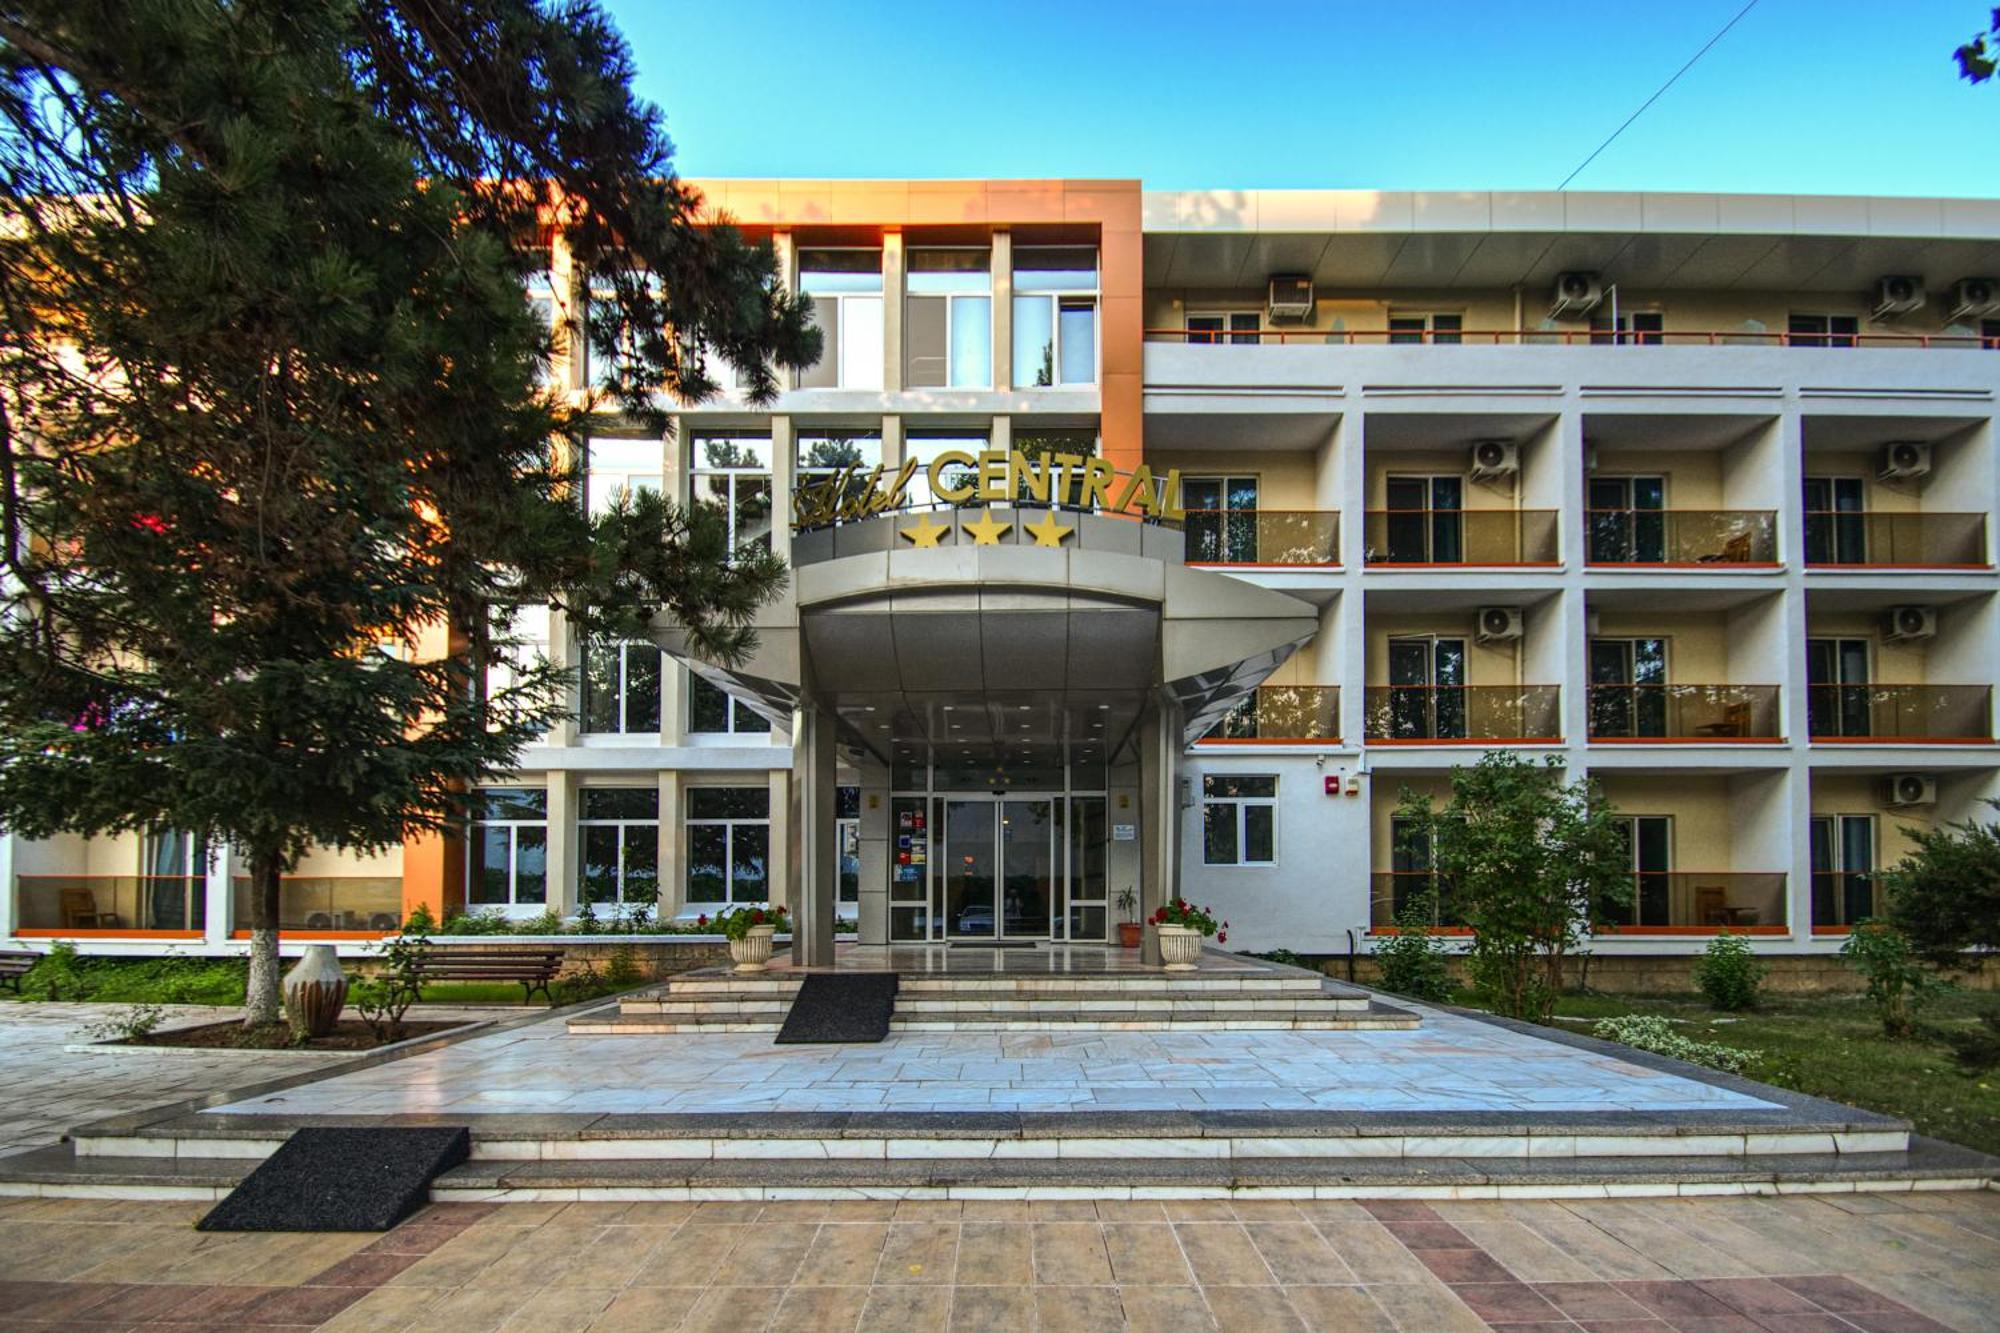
(753, 951)
(1179, 947)
(315, 991)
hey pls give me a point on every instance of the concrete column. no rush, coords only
(1002, 437)
(784, 457)
(892, 441)
(10, 912)
(217, 899)
(1003, 309)
(1160, 745)
(875, 852)
(562, 894)
(566, 649)
(813, 843)
(673, 864)
(892, 312)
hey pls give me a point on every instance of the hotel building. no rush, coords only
(1690, 492)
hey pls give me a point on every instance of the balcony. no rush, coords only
(1489, 714)
(1522, 337)
(1669, 713)
(1282, 713)
(1923, 714)
(1704, 902)
(1262, 537)
(1391, 890)
(1425, 538)
(369, 904)
(110, 904)
(1841, 899)
(1682, 537)
(1836, 540)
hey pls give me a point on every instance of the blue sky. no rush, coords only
(1809, 96)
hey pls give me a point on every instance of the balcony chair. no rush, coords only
(79, 911)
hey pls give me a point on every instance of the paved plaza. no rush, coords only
(1839, 1264)
(1452, 1063)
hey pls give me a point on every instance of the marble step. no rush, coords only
(1051, 1018)
(1005, 1002)
(917, 982)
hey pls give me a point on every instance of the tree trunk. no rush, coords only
(263, 1003)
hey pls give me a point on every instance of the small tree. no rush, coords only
(1413, 959)
(1534, 864)
(1898, 985)
(1945, 895)
(1728, 973)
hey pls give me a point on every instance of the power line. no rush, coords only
(1723, 32)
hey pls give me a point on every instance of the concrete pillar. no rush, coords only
(1160, 746)
(873, 926)
(813, 843)
(784, 457)
(1003, 309)
(10, 913)
(892, 311)
(217, 898)
(892, 441)
(562, 892)
(673, 866)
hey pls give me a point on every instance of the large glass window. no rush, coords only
(847, 829)
(711, 709)
(1823, 330)
(1637, 328)
(1425, 523)
(174, 881)
(1627, 522)
(732, 479)
(846, 289)
(729, 844)
(621, 688)
(1221, 523)
(1843, 869)
(548, 311)
(948, 319)
(825, 452)
(1426, 328)
(618, 836)
(1055, 316)
(1239, 819)
(1225, 326)
(1628, 687)
(508, 860)
(1836, 532)
(1651, 840)
(924, 446)
(527, 632)
(621, 468)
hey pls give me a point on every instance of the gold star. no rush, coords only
(1048, 532)
(926, 533)
(986, 532)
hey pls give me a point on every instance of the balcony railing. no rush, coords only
(111, 902)
(1752, 901)
(1290, 337)
(1899, 712)
(1841, 898)
(1461, 537)
(330, 902)
(1681, 537)
(1489, 713)
(1283, 713)
(1262, 537)
(1683, 712)
(1940, 541)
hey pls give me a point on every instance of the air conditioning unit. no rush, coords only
(1898, 296)
(1905, 459)
(1576, 294)
(1972, 298)
(1905, 789)
(1904, 623)
(1492, 459)
(1291, 299)
(1499, 624)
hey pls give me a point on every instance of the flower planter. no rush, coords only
(315, 991)
(753, 951)
(1130, 934)
(1179, 947)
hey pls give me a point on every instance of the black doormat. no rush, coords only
(341, 1180)
(840, 1006)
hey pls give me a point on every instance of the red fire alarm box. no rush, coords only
(1333, 784)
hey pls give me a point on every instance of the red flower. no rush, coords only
(152, 523)
(756, 916)
(701, 920)
(1159, 916)
(1222, 937)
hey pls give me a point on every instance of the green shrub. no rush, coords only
(1650, 1032)
(1898, 985)
(1728, 973)
(622, 972)
(1413, 959)
(131, 1025)
(60, 975)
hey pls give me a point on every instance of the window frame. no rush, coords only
(729, 824)
(622, 691)
(1229, 535)
(1241, 805)
(733, 710)
(1229, 329)
(627, 476)
(951, 301)
(1827, 335)
(1055, 295)
(624, 824)
(1426, 332)
(843, 312)
(475, 864)
(698, 471)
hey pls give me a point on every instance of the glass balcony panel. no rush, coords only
(1461, 537)
(1900, 712)
(1285, 713)
(1262, 536)
(111, 902)
(1684, 712)
(1681, 537)
(1834, 539)
(1491, 713)
(326, 902)
(1703, 900)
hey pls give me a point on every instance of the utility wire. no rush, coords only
(1723, 32)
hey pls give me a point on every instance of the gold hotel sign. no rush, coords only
(993, 476)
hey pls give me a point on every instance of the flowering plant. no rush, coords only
(736, 921)
(1181, 912)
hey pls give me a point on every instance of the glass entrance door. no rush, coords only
(1002, 866)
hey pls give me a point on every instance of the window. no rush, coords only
(1431, 328)
(711, 708)
(729, 844)
(846, 289)
(175, 881)
(1426, 688)
(1239, 819)
(1055, 316)
(1232, 326)
(621, 688)
(924, 446)
(509, 852)
(1823, 330)
(1640, 328)
(1843, 869)
(1838, 700)
(1425, 523)
(948, 320)
(1412, 870)
(618, 832)
(1045, 441)
(1627, 520)
(1989, 333)
(541, 285)
(823, 453)
(521, 645)
(1836, 532)
(620, 469)
(1651, 840)
(847, 843)
(732, 479)
(1628, 687)
(1221, 523)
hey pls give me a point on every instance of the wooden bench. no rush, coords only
(534, 969)
(14, 966)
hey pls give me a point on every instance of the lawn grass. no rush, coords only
(220, 981)
(1832, 1046)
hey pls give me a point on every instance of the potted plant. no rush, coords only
(749, 930)
(1182, 926)
(1129, 929)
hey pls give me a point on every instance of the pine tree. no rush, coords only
(269, 415)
